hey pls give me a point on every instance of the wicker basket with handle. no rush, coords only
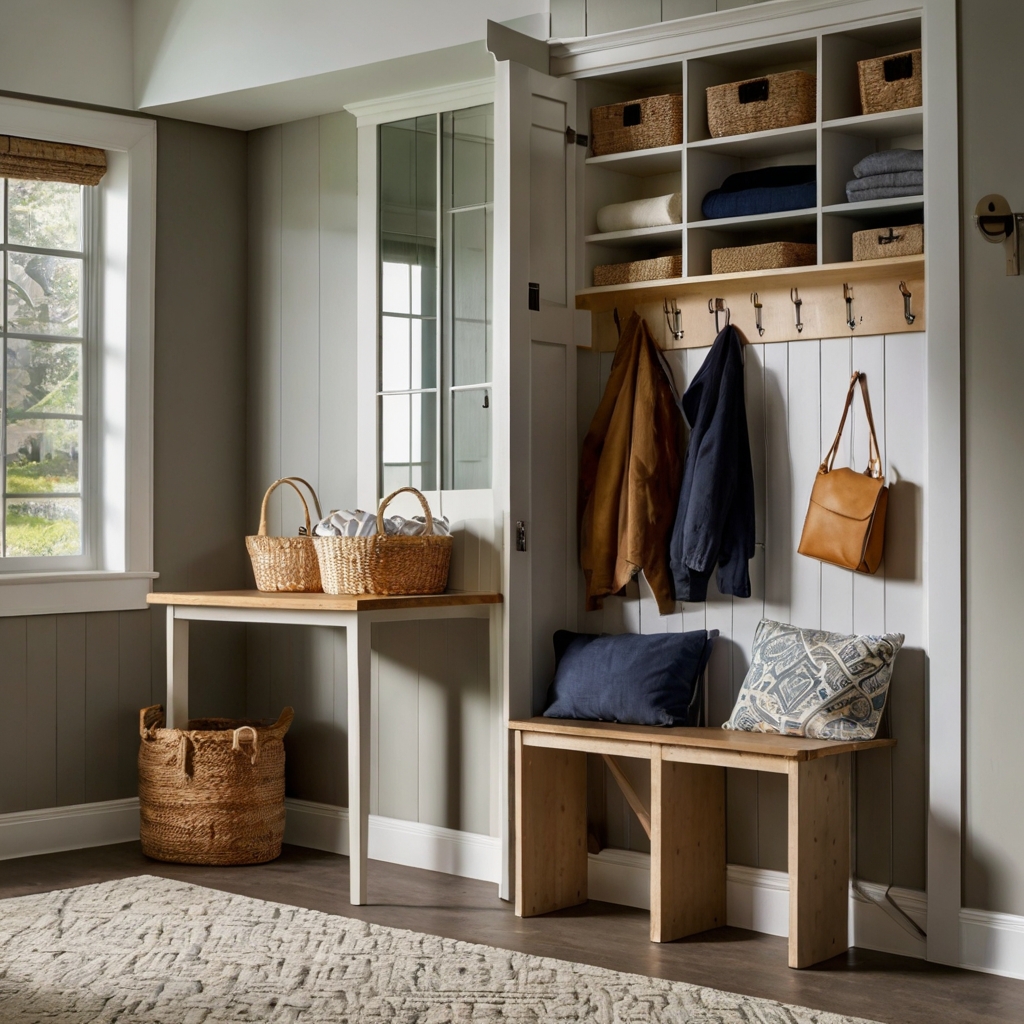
(742, 259)
(286, 564)
(884, 243)
(386, 565)
(760, 104)
(890, 83)
(212, 793)
(640, 124)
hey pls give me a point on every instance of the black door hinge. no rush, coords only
(572, 136)
(535, 295)
(520, 535)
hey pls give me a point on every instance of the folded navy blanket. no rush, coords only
(753, 201)
(770, 177)
(893, 192)
(890, 161)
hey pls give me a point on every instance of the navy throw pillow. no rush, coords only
(630, 678)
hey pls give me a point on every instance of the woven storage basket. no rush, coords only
(760, 104)
(741, 259)
(286, 564)
(212, 793)
(883, 243)
(386, 565)
(661, 268)
(890, 83)
(642, 124)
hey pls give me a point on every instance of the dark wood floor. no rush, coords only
(878, 986)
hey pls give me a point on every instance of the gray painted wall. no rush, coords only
(993, 155)
(71, 686)
(571, 18)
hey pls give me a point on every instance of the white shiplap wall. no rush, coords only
(794, 396)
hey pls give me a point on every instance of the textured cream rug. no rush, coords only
(155, 950)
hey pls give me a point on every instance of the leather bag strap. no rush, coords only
(874, 468)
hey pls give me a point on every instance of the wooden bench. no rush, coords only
(686, 822)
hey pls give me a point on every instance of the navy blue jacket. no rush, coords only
(715, 518)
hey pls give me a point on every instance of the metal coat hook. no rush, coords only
(717, 306)
(618, 324)
(674, 319)
(794, 297)
(907, 295)
(758, 306)
(851, 320)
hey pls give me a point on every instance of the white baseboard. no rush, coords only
(325, 827)
(758, 899)
(75, 827)
(992, 942)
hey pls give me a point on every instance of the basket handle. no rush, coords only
(262, 532)
(316, 500)
(151, 719)
(284, 721)
(254, 738)
(387, 501)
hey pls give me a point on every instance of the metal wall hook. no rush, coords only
(851, 320)
(674, 319)
(907, 295)
(618, 323)
(717, 306)
(794, 297)
(758, 306)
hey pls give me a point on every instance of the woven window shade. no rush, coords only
(51, 161)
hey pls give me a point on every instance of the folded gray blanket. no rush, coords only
(890, 161)
(896, 180)
(892, 192)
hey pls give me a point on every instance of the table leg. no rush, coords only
(819, 859)
(551, 829)
(357, 641)
(176, 713)
(687, 848)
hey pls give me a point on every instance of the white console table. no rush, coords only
(353, 613)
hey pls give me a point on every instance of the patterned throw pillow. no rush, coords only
(807, 682)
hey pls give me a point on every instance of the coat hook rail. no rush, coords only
(758, 306)
(907, 296)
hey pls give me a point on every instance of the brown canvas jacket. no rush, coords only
(630, 473)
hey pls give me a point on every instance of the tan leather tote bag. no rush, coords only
(845, 522)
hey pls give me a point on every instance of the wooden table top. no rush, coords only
(323, 602)
(792, 748)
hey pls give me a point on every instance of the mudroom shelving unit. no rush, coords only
(834, 142)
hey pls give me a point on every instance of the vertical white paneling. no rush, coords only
(70, 709)
(300, 306)
(437, 720)
(264, 397)
(134, 692)
(779, 506)
(101, 682)
(869, 358)
(398, 733)
(836, 583)
(336, 471)
(804, 408)
(469, 693)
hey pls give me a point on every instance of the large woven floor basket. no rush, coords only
(384, 564)
(212, 793)
(285, 564)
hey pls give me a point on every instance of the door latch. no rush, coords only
(572, 136)
(535, 295)
(520, 535)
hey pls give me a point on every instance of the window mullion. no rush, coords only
(3, 388)
(439, 308)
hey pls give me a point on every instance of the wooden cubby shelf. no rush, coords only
(838, 138)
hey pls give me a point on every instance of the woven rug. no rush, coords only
(154, 950)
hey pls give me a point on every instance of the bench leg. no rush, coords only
(819, 859)
(551, 829)
(687, 848)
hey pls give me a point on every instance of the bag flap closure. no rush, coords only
(847, 493)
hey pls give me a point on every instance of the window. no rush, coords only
(435, 179)
(44, 416)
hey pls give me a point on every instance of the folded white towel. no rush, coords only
(641, 213)
(364, 524)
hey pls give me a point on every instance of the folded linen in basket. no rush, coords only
(364, 524)
(905, 183)
(753, 201)
(890, 161)
(641, 213)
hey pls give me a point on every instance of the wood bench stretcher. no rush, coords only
(686, 822)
